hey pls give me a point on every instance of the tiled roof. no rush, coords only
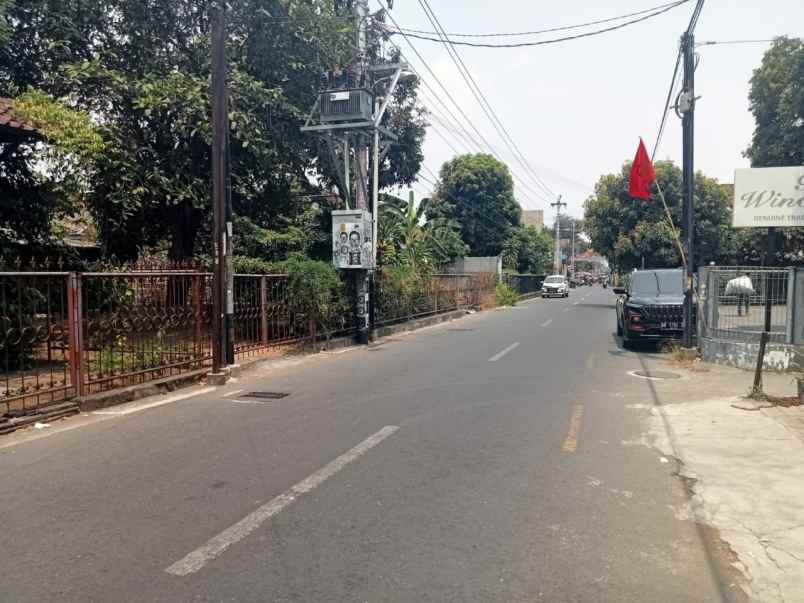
(9, 121)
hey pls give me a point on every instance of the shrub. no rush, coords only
(316, 291)
(505, 295)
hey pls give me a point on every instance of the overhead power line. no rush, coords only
(540, 31)
(474, 88)
(673, 81)
(457, 105)
(553, 40)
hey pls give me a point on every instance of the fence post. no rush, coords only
(198, 314)
(790, 310)
(75, 332)
(264, 310)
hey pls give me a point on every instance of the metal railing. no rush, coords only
(729, 310)
(37, 340)
(525, 284)
(397, 302)
(67, 334)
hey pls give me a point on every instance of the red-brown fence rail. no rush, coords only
(35, 340)
(66, 334)
(141, 326)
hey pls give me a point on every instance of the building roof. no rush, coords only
(11, 126)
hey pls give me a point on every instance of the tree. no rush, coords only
(408, 237)
(626, 230)
(142, 70)
(477, 192)
(528, 250)
(777, 102)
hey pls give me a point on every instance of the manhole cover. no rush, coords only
(657, 375)
(267, 395)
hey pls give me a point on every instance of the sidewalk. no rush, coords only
(744, 465)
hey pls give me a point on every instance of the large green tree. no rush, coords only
(777, 102)
(477, 192)
(528, 250)
(141, 69)
(626, 230)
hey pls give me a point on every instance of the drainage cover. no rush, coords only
(267, 395)
(461, 330)
(655, 374)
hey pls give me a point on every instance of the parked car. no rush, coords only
(651, 307)
(555, 285)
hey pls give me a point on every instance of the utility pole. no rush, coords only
(572, 256)
(361, 11)
(557, 259)
(222, 344)
(687, 108)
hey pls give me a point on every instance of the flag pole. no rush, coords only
(671, 223)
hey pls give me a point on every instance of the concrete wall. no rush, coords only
(471, 265)
(778, 356)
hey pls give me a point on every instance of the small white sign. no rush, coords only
(765, 197)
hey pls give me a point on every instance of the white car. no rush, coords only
(555, 285)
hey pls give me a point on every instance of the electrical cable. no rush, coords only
(474, 88)
(673, 81)
(454, 102)
(541, 31)
(551, 41)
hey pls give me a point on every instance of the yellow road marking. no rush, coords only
(590, 361)
(571, 443)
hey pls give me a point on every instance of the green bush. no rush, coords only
(505, 295)
(248, 265)
(315, 290)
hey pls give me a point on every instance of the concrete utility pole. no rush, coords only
(572, 257)
(361, 11)
(557, 258)
(222, 299)
(687, 108)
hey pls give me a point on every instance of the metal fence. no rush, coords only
(67, 334)
(398, 302)
(37, 340)
(525, 284)
(730, 312)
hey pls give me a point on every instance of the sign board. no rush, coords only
(765, 197)
(352, 239)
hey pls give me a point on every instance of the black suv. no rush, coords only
(652, 306)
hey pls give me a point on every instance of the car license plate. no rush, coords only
(671, 325)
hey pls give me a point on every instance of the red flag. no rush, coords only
(642, 174)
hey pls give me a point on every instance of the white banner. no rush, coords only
(766, 197)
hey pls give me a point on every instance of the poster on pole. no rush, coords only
(352, 239)
(769, 197)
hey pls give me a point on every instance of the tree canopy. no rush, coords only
(142, 71)
(477, 192)
(625, 229)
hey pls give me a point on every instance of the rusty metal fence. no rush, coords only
(526, 285)
(397, 302)
(37, 340)
(66, 334)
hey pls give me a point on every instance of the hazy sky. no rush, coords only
(577, 109)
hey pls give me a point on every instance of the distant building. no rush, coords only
(533, 217)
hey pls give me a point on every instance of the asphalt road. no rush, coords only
(488, 459)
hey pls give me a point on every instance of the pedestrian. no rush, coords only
(743, 288)
(744, 298)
